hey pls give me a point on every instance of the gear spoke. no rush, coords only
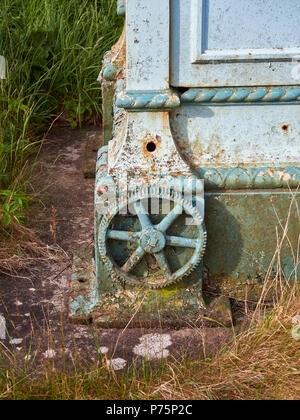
(170, 218)
(133, 260)
(121, 235)
(142, 215)
(181, 242)
(163, 263)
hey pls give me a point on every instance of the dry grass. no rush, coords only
(261, 363)
(21, 248)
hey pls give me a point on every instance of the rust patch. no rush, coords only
(218, 155)
(285, 128)
(102, 189)
(158, 138)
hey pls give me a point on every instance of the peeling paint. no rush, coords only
(237, 95)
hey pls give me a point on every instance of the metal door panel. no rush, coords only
(234, 43)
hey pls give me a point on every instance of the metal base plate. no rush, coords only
(181, 304)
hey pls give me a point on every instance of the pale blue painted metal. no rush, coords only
(152, 239)
(234, 43)
(110, 72)
(147, 45)
(244, 30)
(242, 95)
(148, 100)
(211, 86)
(241, 138)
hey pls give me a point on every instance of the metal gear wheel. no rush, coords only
(126, 251)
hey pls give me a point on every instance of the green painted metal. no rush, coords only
(249, 177)
(242, 247)
(245, 232)
(111, 301)
(119, 304)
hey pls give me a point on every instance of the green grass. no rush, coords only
(54, 50)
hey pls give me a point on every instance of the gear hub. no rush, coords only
(152, 240)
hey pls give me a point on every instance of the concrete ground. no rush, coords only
(34, 324)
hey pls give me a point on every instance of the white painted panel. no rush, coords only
(244, 29)
(148, 47)
(234, 43)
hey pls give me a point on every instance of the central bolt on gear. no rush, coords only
(147, 249)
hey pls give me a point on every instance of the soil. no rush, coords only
(34, 302)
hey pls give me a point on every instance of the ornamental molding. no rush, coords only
(233, 95)
(168, 100)
(250, 177)
(148, 100)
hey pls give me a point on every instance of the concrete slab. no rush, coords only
(33, 303)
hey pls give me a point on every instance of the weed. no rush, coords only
(13, 208)
(53, 51)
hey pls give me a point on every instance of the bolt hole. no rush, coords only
(151, 146)
(82, 280)
(285, 127)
